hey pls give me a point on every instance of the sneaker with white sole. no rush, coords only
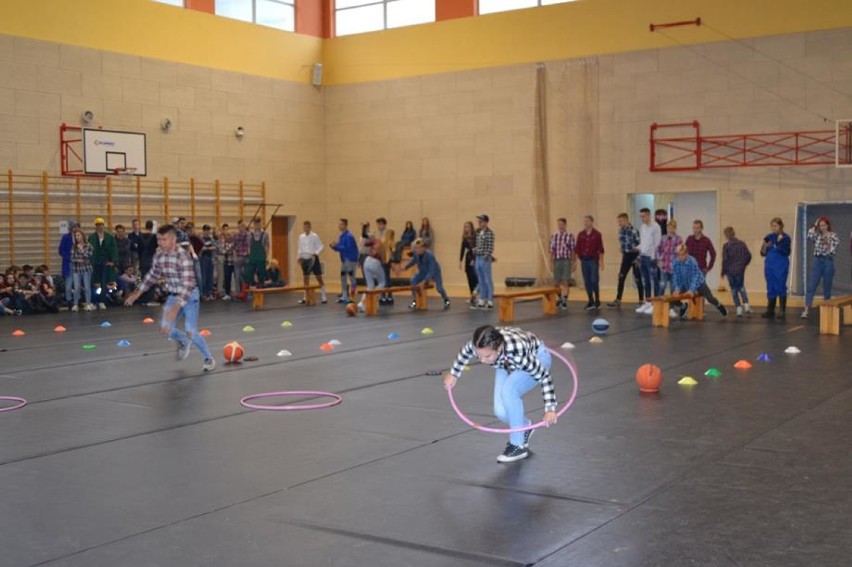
(89, 307)
(209, 365)
(226, 297)
(739, 311)
(641, 308)
(183, 350)
(489, 305)
(446, 304)
(75, 308)
(303, 301)
(513, 453)
(673, 314)
(412, 306)
(747, 309)
(527, 434)
(102, 306)
(723, 310)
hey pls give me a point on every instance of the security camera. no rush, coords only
(166, 124)
(87, 116)
(240, 132)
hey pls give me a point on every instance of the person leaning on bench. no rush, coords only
(428, 269)
(688, 279)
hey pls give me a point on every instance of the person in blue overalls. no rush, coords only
(776, 248)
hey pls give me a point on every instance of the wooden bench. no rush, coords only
(831, 314)
(506, 301)
(660, 315)
(371, 298)
(258, 294)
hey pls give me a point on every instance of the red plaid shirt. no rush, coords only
(241, 243)
(561, 245)
(177, 272)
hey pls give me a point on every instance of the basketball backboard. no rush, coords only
(108, 151)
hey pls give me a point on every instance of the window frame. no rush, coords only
(290, 3)
(538, 4)
(383, 4)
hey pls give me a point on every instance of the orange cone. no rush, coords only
(59, 329)
(743, 364)
(18, 333)
(205, 332)
(147, 320)
(327, 347)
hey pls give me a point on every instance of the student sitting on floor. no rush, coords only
(273, 275)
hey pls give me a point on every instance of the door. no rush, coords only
(281, 245)
(701, 205)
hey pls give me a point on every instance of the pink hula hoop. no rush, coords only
(564, 408)
(335, 399)
(21, 403)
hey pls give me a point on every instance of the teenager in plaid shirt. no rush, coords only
(562, 253)
(826, 243)
(628, 241)
(735, 257)
(688, 279)
(484, 252)
(174, 264)
(521, 360)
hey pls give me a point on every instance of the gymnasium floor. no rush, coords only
(125, 457)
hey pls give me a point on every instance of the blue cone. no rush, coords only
(123, 343)
(106, 324)
(763, 357)
(393, 336)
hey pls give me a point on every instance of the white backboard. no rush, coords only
(104, 151)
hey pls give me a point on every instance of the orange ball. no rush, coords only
(351, 309)
(233, 352)
(649, 378)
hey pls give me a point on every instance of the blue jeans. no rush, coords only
(84, 279)
(509, 390)
(648, 268)
(206, 282)
(591, 280)
(823, 269)
(486, 281)
(738, 292)
(438, 280)
(374, 273)
(666, 281)
(190, 323)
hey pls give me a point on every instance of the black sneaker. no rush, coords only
(590, 307)
(598, 306)
(683, 309)
(412, 306)
(723, 310)
(341, 300)
(513, 453)
(616, 303)
(527, 434)
(489, 305)
(302, 301)
(209, 365)
(446, 304)
(389, 301)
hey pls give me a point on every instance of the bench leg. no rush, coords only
(507, 310)
(548, 304)
(847, 315)
(371, 305)
(257, 300)
(310, 297)
(660, 315)
(829, 320)
(420, 300)
(696, 309)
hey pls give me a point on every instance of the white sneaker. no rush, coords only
(90, 307)
(209, 365)
(361, 307)
(739, 311)
(226, 297)
(648, 308)
(75, 308)
(748, 308)
(101, 306)
(673, 314)
(640, 309)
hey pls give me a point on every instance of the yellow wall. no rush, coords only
(577, 29)
(159, 31)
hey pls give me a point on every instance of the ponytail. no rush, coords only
(487, 336)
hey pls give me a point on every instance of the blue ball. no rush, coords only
(600, 326)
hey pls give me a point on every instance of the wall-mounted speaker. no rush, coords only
(316, 76)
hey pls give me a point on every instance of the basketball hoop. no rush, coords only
(125, 173)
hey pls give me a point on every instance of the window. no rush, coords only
(171, 2)
(360, 16)
(491, 6)
(280, 14)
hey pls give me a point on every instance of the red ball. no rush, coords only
(649, 378)
(351, 309)
(233, 352)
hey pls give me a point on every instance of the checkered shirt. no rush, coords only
(824, 245)
(484, 243)
(176, 269)
(628, 239)
(686, 275)
(241, 243)
(735, 257)
(562, 245)
(81, 260)
(519, 353)
(667, 252)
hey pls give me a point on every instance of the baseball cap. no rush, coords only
(175, 220)
(99, 220)
(482, 217)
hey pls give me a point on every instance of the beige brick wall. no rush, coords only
(452, 145)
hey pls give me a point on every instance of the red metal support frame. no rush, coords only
(71, 152)
(690, 151)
